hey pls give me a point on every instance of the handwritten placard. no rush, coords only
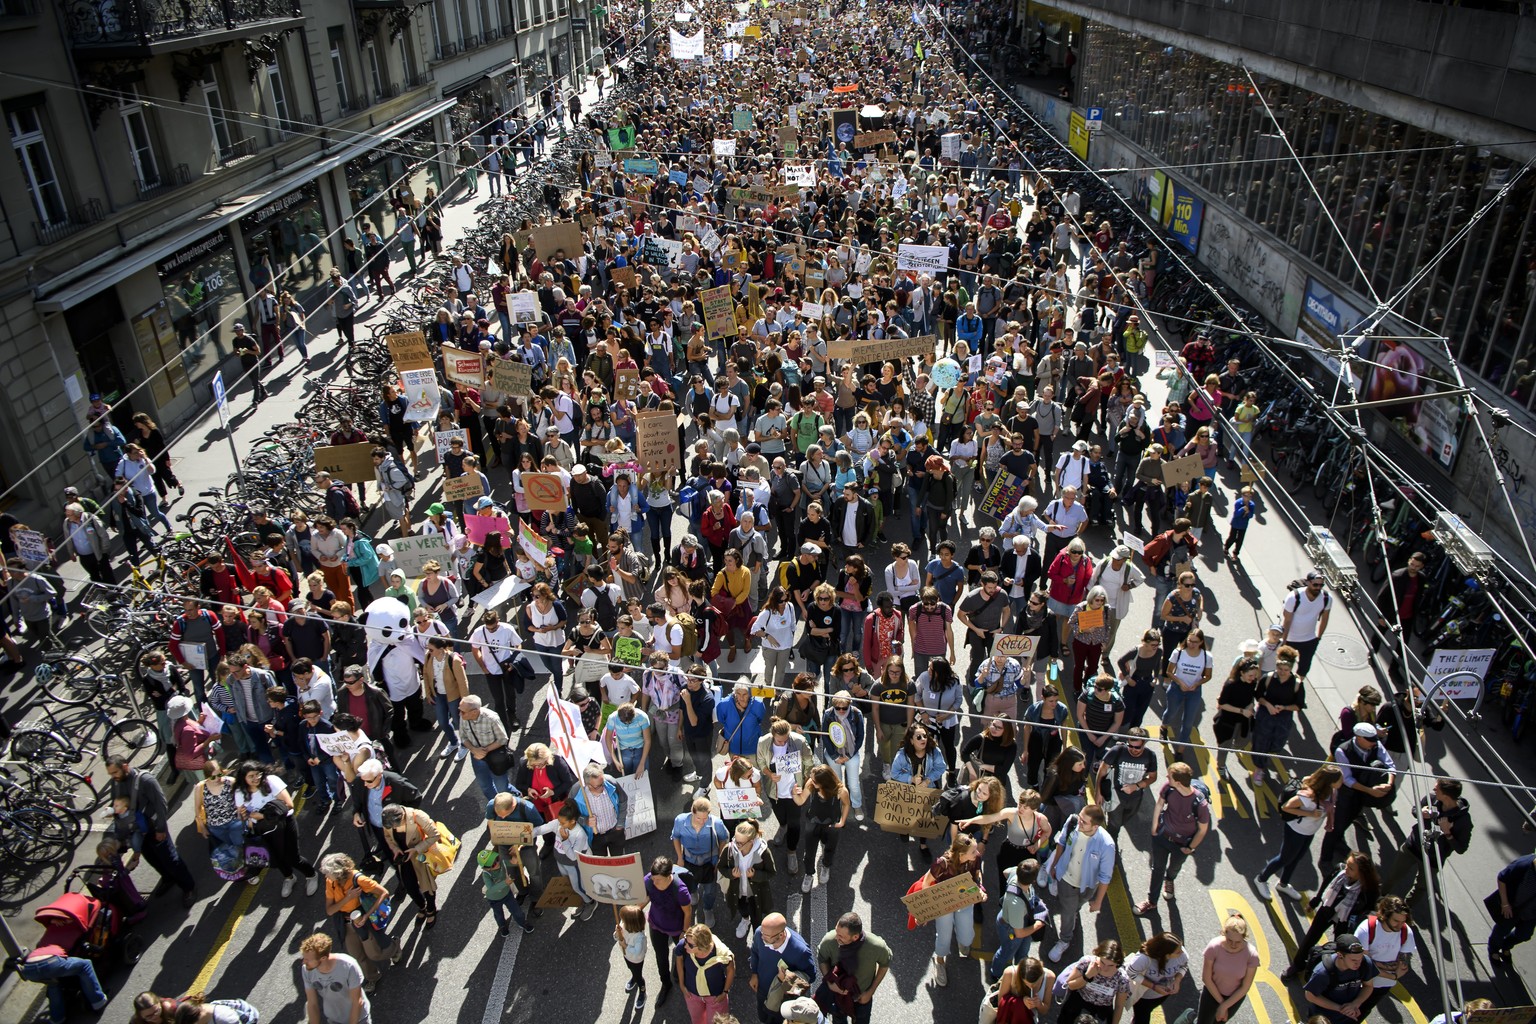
(865, 140)
(656, 443)
(624, 277)
(509, 833)
(444, 439)
(946, 897)
(1180, 471)
(564, 237)
(1003, 496)
(350, 463)
(480, 528)
(414, 552)
(627, 384)
(719, 312)
(1090, 618)
(878, 350)
(908, 810)
(463, 488)
(1013, 645)
(617, 881)
(409, 351)
(737, 803)
(559, 894)
(628, 650)
(512, 377)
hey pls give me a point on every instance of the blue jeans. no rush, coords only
(959, 925)
(53, 970)
(1009, 949)
(852, 629)
(1183, 712)
(1293, 848)
(848, 775)
(629, 757)
(489, 782)
(508, 905)
(915, 516)
(447, 718)
(256, 740)
(325, 778)
(704, 893)
(231, 833)
(573, 875)
(659, 522)
(554, 663)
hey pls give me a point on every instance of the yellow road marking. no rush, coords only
(1225, 900)
(227, 933)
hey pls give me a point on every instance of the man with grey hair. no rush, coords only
(88, 541)
(752, 543)
(603, 807)
(1119, 576)
(483, 735)
(1065, 518)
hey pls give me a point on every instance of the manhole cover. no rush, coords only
(1342, 651)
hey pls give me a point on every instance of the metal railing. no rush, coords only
(419, 80)
(236, 150)
(447, 50)
(175, 178)
(80, 218)
(148, 21)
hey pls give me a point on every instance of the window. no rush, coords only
(27, 139)
(339, 68)
(140, 149)
(549, 10)
(277, 95)
(375, 72)
(218, 117)
(522, 13)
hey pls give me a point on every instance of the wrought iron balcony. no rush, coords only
(80, 218)
(447, 50)
(237, 150)
(419, 79)
(174, 178)
(143, 28)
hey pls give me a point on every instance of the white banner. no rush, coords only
(567, 738)
(711, 240)
(930, 259)
(949, 146)
(812, 310)
(725, 147)
(640, 818)
(523, 308)
(800, 175)
(687, 47)
(730, 51)
(1448, 662)
(736, 29)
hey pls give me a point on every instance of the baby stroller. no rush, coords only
(89, 922)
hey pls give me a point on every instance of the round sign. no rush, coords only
(845, 132)
(838, 733)
(945, 373)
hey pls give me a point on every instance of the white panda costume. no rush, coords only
(394, 654)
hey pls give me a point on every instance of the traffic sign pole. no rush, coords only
(221, 403)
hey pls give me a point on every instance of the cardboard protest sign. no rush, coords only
(549, 238)
(878, 350)
(867, 140)
(1251, 472)
(1012, 645)
(511, 376)
(923, 259)
(627, 384)
(409, 351)
(1179, 472)
(737, 803)
(719, 312)
(545, 492)
(463, 366)
(421, 395)
(443, 439)
(624, 277)
(463, 488)
(908, 810)
(559, 894)
(656, 444)
(840, 348)
(509, 833)
(523, 307)
(1003, 496)
(628, 650)
(349, 463)
(789, 141)
(1501, 1015)
(1090, 618)
(617, 881)
(31, 547)
(946, 897)
(415, 551)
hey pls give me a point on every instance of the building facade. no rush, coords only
(1174, 118)
(169, 159)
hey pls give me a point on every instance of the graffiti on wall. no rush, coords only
(1254, 268)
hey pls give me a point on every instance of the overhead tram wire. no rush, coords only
(1305, 385)
(237, 314)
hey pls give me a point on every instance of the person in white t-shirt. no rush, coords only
(1304, 617)
(1388, 940)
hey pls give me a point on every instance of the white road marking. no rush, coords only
(496, 1002)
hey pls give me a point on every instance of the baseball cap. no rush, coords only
(436, 509)
(809, 549)
(1314, 575)
(486, 858)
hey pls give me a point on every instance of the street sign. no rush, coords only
(220, 398)
(1095, 119)
(578, 23)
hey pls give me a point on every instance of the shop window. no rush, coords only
(203, 299)
(285, 245)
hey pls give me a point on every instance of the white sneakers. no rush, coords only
(823, 873)
(1057, 952)
(288, 884)
(1263, 888)
(311, 884)
(940, 972)
(743, 927)
(461, 753)
(808, 882)
(691, 777)
(1288, 890)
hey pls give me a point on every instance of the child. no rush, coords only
(124, 829)
(1200, 506)
(1242, 514)
(1270, 647)
(629, 933)
(286, 732)
(498, 892)
(571, 839)
(116, 886)
(581, 547)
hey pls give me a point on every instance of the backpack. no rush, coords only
(1370, 931)
(607, 611)
(690, 645)
(1289, 790)
(353, 508)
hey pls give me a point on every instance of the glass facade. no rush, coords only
(1398, 192)
(285, 243)
(371, 177)
(203, 299)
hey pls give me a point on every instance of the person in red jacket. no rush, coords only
(197, 643)
(1068, 575)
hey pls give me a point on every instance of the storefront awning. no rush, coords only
(460, 87)
(66, 291)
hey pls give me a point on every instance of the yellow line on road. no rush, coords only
(1225, 901)
(221, 944)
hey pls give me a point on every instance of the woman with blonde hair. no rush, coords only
(1231, 961)
(706, 968)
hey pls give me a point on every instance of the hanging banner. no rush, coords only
(686, 47)
(622, 138)
(1188, 211)
(635, 166)
(420, 387)
(725, 147)
(923, 259)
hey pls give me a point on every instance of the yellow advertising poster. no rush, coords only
(1077, 134)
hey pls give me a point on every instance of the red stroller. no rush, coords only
(90, 923)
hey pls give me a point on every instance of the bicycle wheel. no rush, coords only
(42, 744)
(69, 680)
(64, 788)
(33, 835)
(136, 739)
